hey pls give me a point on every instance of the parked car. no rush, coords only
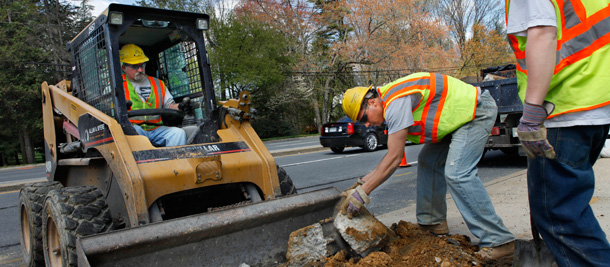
(347, 133)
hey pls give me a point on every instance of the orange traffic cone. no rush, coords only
(404, 163)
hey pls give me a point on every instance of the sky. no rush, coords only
(101, 5)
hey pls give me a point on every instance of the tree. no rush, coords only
(469, 23)
(32, 38)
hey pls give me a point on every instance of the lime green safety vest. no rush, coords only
(155, 100)
(581, 80)
(446, 104)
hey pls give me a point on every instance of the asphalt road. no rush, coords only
(309, 171)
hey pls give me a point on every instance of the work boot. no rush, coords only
(505, 251)
(438, 229)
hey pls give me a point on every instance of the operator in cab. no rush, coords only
(146, 92)
(453, 119)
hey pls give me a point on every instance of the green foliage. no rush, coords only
(32, 50)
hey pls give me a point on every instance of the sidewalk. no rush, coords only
(509, 196)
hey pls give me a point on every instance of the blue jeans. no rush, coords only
(452, 163)
(559, 195)
(164, 136)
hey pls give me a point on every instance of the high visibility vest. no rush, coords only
(581, 80)
(446, 104)
(155, 100)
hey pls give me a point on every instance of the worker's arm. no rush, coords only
(389, 163)
(540, 61)
(173, 106)
(357, 197)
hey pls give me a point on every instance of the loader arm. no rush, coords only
(118, 155)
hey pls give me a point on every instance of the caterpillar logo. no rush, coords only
(211, 148)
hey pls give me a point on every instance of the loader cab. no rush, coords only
(172, 40)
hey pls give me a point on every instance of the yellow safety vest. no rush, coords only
(581, 80)
(154, 101)
(446, 104)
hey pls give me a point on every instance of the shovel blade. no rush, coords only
(526, 255)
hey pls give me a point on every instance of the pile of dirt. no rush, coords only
(414, 247)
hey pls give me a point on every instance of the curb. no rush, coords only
(17, 185)
(286, 152)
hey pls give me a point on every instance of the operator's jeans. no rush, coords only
(559, 195)
(452, 163)
(164, 136)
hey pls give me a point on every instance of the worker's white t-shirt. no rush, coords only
(524, 14)
(143, 89)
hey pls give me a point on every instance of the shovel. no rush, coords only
(532, 253)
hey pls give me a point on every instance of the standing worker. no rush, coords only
(454, 120)
(146, 92)
(563, 57)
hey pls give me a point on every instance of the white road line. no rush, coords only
(318, 160)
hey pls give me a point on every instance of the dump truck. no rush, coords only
(501, 83)
(113, 199)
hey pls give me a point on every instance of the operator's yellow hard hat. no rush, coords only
(352, 101)
(132, 54)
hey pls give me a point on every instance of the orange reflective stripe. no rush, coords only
(424, 115)
(126, 88)
(398, 89)
(581, 109)
(585, 25)
(579, 9)
(155, 90)
(438, 112)
(476, 102)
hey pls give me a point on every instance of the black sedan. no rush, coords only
(346, 133)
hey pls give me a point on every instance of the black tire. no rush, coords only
(31, 202)
(337, 149)
(286, 185)
(70, 213)
(370, 142)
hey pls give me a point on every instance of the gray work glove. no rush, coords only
(532, 132)
(355, 199)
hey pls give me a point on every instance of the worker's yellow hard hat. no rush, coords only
(352, 101)
(132, 54)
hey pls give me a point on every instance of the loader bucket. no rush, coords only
(255, 234)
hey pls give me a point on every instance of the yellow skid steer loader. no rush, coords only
(112, 198)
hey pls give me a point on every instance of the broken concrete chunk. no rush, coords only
(364, 233)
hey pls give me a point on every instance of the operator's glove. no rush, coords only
(355, 199)
(185, 106)
(532, 132)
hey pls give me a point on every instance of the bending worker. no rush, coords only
(563, 51)
(147, 92)
(454, 120)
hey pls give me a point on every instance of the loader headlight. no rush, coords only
(203, 24)
(116, 18)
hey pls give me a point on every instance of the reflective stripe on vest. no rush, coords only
(583, 47)
(446, 104)
(149, 122)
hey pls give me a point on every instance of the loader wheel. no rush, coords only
(31, 201)
(70, 213)
(286, 185)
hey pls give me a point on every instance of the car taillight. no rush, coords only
(495, 131)
(350, 128)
